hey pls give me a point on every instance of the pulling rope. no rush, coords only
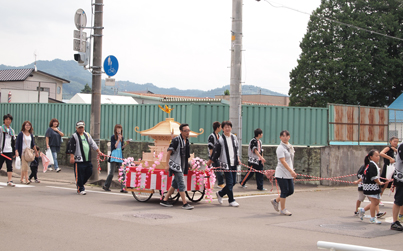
(268, 173)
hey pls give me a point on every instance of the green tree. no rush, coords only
(345, 65)
(87, 89)
(226, 92)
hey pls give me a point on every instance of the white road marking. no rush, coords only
(16, 185)
(90, 191)
(383, 201)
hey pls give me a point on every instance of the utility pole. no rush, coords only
(235, 110)
(95, 126)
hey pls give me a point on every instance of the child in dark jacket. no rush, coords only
(372, 184)
(34, 167)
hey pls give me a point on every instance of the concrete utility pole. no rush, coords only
(95, 127)
(235, 110)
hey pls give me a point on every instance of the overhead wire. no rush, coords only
(335, 21)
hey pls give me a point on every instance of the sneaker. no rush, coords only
(50, 169)
(356, 213)
(37, 181)
(400, 217)
(285, 212)
(380, 214)
(396, 226)
(219, 198)
(165, 203)
(361, 213)
(221, 186)
(187, 206)
(275, 204)
(234, 204)
(122, 191)
(381, 204)
(10, 183)
(243, 186)
(374, 221)
(263, 189)
(106, 189)
(58, 169)
(82, 193)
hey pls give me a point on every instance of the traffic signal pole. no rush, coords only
(95, 126)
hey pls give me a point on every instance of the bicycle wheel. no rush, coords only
(174, 196)
(195, 195)
(142, 196)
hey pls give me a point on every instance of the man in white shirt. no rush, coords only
(226, 151)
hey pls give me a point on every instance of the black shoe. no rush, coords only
(122, 191)
(106, 189)
(396, 226)
(380, 214)
(165, 203)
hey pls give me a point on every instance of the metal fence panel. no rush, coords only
(358, 123)
(40, 114)
(308, 126)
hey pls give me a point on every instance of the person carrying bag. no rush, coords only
(26, 149)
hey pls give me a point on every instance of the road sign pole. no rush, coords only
(95, 128)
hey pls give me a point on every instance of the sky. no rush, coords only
(177, 43)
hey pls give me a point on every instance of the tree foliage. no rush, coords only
(87, 89)
(226, 92)
(345, 65)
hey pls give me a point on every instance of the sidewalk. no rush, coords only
(66, 175)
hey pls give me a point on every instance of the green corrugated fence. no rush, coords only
(308, 126)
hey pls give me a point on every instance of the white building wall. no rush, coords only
(23, 96)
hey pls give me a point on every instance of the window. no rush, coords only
(59, 90)
(44, 89)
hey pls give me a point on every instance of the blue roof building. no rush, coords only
(396, 116)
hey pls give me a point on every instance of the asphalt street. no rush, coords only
(51, 216)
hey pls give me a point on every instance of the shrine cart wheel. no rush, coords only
(195, 195)
(142, 195)
(174, 196)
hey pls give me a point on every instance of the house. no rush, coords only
(396, 118)
(84, 98)
(260, 99)
(152, 98)
(30, 86)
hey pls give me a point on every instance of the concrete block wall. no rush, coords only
(343, 160)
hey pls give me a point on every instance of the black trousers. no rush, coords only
(34, 172)
(259, 176)
(82, 172)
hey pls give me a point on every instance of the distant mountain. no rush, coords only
(78, 77)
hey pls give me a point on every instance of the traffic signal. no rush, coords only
(83, 58)
(80, 58)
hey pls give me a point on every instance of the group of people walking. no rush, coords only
(223, 157)
(372, 182)
(23, 147)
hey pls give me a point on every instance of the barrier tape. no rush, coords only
(269, 173)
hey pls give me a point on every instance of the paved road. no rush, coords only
(50, 216)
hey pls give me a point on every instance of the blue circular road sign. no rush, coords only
(111, 65)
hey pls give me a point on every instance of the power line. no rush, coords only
(335, 21)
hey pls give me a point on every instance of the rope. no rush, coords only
(269, 173)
